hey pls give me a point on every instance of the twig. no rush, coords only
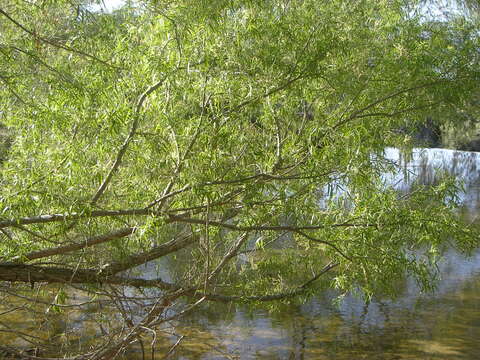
(53, 43)
(172, 349)
(128, 139)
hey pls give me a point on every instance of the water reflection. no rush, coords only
(443, 325)
(424, 166)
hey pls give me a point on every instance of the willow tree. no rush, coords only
(239, 143)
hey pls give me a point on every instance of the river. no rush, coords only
(440, 325)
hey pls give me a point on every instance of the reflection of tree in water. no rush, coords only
(439, 327)
(31, 321)
(446, 325)
(413, 326)
(429, 166)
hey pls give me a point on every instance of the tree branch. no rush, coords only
(155, 253)
(311, 238)
(356, 114)
(180, 219)
(95, 240)
(53, 43)
(33, 273)
(131, 134)
(49, 218)
(268, 297)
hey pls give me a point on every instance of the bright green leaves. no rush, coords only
(393, 235)
(267, 114)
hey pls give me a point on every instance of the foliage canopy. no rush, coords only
(242, 142)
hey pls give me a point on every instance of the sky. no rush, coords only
(433, 9)
(108, 5)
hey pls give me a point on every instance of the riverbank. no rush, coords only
(464, 137)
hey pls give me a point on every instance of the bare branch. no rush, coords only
(172, 349)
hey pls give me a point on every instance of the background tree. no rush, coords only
(458, 129)
(241, 142)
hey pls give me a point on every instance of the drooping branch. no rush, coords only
(41, 62)
(266, 297)
(12, 90)
(95, 240)
(398, 112)
(228, 256)
(53, 43)
(181, 219)
(14, 272)
(128, 139)
(267, 94)
(147, 211)
(24, 273)
(181, 160)
(333, 246)
(155, 253)
(50, 218)
(357, 113)
(32, 273)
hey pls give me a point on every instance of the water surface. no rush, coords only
(440, 325)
